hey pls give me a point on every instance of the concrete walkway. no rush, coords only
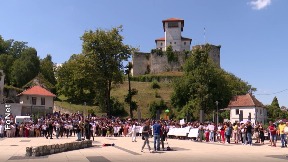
(13, 150)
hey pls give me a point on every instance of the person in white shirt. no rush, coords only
(57, 126)
(133, 133)
(211, 129)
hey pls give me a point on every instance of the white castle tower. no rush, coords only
(172, 29)
(2, 76)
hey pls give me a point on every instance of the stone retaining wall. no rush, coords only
(57, 148)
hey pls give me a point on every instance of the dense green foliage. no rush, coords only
(203, 84)
(156, 106)
(21, 63)
(47, 69)
(89, 76)
(274, 112)
(74, 80)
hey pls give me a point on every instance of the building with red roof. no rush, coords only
(172, 36)
(247, 107)
(36, 100)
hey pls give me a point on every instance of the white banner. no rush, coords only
(193, 132)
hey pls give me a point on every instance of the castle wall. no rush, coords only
(141, 63)
(146, 63)
(214, 52)
(160, 64)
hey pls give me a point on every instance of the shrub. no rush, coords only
(155, 84)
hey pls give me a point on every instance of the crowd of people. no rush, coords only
(59, 125)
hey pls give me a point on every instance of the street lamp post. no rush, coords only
(85, 110)
(217, 119)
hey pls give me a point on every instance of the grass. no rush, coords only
(145, 96)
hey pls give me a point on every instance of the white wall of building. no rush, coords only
(160, 45)
(27, 101)
(260, 116)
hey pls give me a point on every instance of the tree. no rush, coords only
(47, 69)
(204, 83)
(6, 62)
(128, 99)
(25, 68)
(106, 51)
(75, 81)
(275, 103)
(10, 50)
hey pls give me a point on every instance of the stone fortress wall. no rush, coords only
(151, 63)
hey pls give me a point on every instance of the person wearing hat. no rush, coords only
(281, 127)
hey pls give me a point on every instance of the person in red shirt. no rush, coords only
(272, 129)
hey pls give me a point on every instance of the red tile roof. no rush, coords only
(245, 101)
(173, 20)
(37, 90)
(160, 39)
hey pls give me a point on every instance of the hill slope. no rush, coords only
(146, 95)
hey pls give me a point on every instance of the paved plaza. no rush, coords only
(13, 150)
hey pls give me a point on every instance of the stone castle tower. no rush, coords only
(151, 63)
(2, 76)
(172, 30)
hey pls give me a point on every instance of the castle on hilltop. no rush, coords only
(153, 63)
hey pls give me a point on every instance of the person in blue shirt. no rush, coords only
(156, 135)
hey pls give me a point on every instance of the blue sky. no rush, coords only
(253, 33)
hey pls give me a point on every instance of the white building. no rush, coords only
(247, 107)
(172, 30)
(37, 99)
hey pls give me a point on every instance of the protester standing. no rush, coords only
(145, 134)
(261, 133)
(133, 132)
(156, 135)
(87, 127)
(281, 127)
(272, 130)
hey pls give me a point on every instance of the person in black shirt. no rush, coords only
(87, 128)
(249, 133)
(50, 130)
(261, 133)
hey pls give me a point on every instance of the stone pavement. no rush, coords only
(13, 150)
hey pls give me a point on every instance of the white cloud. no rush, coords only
(259, 4)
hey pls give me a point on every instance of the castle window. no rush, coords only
(172, 24)
(184, 43)
(170, 42)
(161, 44)
(174, 42)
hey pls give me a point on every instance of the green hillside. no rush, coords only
(146, 95)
